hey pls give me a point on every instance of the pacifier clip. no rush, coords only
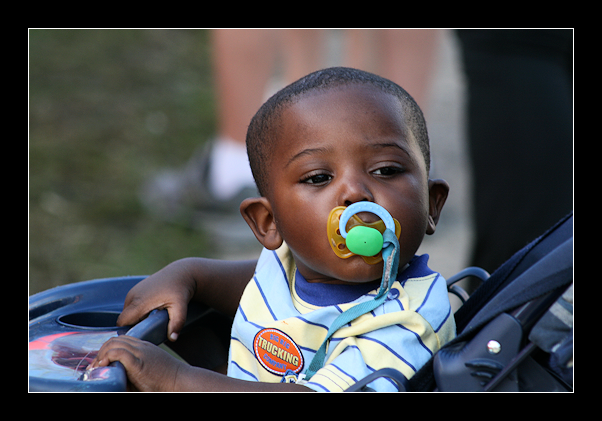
(363, 241)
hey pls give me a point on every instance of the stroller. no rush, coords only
(514, 332)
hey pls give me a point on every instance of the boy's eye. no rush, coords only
(387, 171)
(317, 179)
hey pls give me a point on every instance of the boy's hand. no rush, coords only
(171, 288)
(148, 367)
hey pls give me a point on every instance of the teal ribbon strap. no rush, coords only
(391, 263)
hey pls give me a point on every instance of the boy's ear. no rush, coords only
(438, 191)
(257, 211)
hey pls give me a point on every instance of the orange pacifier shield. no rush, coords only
(339, 243)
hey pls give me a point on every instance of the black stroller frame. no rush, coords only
(498, 346)
(499, 326)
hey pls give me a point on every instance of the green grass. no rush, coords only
(108, 108)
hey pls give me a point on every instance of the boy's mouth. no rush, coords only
(366, 219)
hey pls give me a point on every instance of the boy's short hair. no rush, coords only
(264, 125)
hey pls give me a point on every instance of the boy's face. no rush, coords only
(339, 147)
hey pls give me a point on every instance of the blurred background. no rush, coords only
(107, 108)
(111, 109)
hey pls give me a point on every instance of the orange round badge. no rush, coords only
(277, 352)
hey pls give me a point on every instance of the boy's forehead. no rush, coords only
(348, 101)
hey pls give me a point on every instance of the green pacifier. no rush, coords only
(349, 235)
(364, 241)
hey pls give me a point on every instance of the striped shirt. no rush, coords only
(282, 320)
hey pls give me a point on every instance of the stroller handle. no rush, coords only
(152, 329)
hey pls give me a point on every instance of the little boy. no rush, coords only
(335, 137)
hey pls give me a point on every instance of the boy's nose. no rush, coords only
(353, 191)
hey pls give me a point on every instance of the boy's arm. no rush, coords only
(149, 368)
(196, 379)
(220, 283)
(216, 283)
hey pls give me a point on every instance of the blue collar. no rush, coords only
(331, 294)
